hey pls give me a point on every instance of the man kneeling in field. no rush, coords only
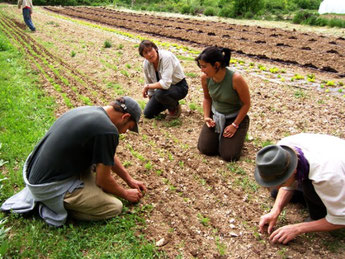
(314, 164)
(58, 173)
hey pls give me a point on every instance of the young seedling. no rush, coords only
(300, 94)
(297, 77)
(148, 166)
(203, 220)
(262, 68)
(192, 106)
(311, 78)
(221, 247)
(330, 83)
(192, 75)
(127, 164)
(118, 89)
(107, 44)
(181, 164)
(173, 123)
(274, 70)
(125, 73)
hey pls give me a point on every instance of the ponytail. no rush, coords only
(215, 54)
(227, 56)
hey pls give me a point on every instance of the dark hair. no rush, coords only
(215, 54)
(146, 44)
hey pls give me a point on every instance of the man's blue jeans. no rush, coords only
(27, 19)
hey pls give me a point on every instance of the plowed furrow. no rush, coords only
(288, 47)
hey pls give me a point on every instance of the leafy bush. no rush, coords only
(241, 7)
(226, 12)
(275, 5)
(196, 9)
(185, 9)
(335, 22)
(308, 4)
(321, 21)
(248, 15)
(209, 11)
(314, 19)
(301, 16)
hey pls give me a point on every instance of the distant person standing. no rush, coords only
(27, 7)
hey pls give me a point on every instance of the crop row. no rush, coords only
(304, 49)
(71, 85)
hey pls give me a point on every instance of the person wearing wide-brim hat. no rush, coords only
(313, 163)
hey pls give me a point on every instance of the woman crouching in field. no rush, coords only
(165, 82)
(226, 103)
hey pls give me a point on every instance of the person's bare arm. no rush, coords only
(270, 219)
(121, 171)
(207, 103)
(107, 182)
(289, 232)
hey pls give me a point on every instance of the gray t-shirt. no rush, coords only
(79, 138)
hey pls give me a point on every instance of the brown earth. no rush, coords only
(202, 206)
(288, 47)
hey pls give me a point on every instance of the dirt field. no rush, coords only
(202, 206)
(288, 47)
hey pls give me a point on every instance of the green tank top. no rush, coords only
(224, 97)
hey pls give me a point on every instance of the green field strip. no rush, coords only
(49, 65)
(49, 79)
(51, 57)
(11, 33)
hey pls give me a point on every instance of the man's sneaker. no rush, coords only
(175, 113)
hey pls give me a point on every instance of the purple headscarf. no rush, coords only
(302, 166)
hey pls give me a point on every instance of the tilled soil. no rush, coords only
(198, 206)
(285, 46)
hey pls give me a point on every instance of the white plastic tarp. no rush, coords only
(332, 6)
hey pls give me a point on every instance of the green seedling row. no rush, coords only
(56, 71)
(56, 86)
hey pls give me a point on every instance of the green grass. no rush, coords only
(115, 238)
(25, 115)
(25, 112)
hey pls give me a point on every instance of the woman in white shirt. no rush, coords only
(165, 82)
